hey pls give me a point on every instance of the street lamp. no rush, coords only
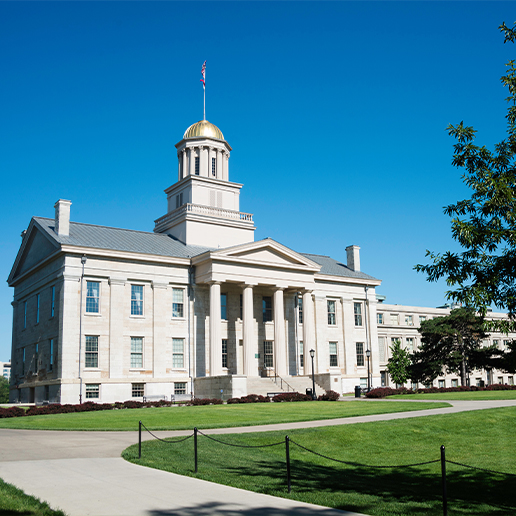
(368, 355)
(312, 354)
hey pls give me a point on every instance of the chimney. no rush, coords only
(353, 254)
(62, 220)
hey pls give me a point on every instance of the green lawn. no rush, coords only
(483, 439)
(213, 416)
(14, 502)
(468, 395)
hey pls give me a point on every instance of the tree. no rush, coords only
(452, 343)
(484, 274)
(4, 390)
(399, 363)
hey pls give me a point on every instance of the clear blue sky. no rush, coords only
(336, 113)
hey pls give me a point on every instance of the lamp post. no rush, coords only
(312, 354)
(368, 355)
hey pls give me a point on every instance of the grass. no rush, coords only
(14, 502)
(463, 396)
(213, 416)
(481, 439)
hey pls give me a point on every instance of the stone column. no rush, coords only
(308, 331)
(203, 162)
(215, 331)
(117, 346)
(191, 161)
(250, 344)
(184, 168)
(219, 164)
(280, 351)
(225, 174)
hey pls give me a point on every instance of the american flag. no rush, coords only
(203, 71)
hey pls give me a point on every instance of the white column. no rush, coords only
(219, 164)
(215, 332)
(185, 163)
(225, 175)
(280, 351)
(203, 162)
(308, 331)
(191, 159)
(179, 166)
(250, 344)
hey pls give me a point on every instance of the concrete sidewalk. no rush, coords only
(82, 473)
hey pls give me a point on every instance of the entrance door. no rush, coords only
(268, 356)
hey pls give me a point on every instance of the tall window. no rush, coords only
(301, 355)
(136, 299)
(224, 352)
(224, 307)
(300, 308)
(267, 308)
(197, 165)
(332, 320)
(178, 353)
(51, 361)
(357, 309)
(137, 390)
(422, 318)
(409, 320)
(53, 302)
(213, 167)
(92, 297)
(410, 344)
(178, 302)
(91, 358)
(379, 318)
(37, 309)
(137, 352)
(360, 353)
(268, 357)
(394, 319)
(24, 314)
(92, 390)
(333, 354)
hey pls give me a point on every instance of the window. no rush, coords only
(422, 318)
(510, 380)
(37, 309)
(332, 321)
(410, 344)
(51, 358)
(301, 355)
(506, 343)
(137, 390)
(442, 384)
(178, 302)
(394, 319)
(360, 354)
(179, 387)
(178, 357)
(92, 297)
(300, 308)
(136, 299)
(357, 309)
(409, 320)
(333, 354)
(479, 382)
(92, 391)
(91, 358)
(24, 314)
(47, 392)
(379, 318)
(136, 352)
(224, 352)
(363, 383)
(196, 165)
(268, 357)
(500, 379)
(455, 382)
(383, 378)
(224, 307)
(267, 308)
(53, 302)
(213, 167)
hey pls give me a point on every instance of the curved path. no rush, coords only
(82, 472)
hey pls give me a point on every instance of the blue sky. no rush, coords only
(336, 112)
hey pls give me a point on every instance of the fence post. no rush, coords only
(140, 440)
(195, 448)
(443, 471)
(287, 451)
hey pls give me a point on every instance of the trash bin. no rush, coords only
(358, 391)
(309, 393)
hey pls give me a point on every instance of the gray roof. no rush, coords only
(334, 268)
(160, 244)
(116, 239)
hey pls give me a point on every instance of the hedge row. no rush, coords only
(382, 392)
(285, 396)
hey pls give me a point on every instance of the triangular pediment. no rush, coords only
(267, 252)
(36, 246)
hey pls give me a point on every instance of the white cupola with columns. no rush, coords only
(204, 206)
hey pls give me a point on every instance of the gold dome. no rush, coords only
(203, 128)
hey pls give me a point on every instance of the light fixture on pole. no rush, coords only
(312, 354)
(368, 355)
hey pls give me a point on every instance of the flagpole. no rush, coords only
(204, 90)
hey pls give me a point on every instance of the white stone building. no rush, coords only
(196, 307)
(5, 369)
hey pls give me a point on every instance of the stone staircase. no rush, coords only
(263, 386)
